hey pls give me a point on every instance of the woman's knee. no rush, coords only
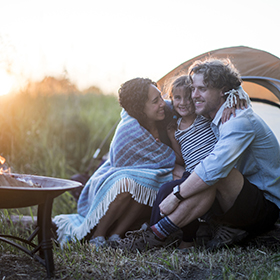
(124, 196)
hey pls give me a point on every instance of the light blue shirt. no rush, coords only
(248, 144)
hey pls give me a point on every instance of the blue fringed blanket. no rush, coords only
(137, 164)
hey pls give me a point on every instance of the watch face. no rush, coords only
(176, 189)
(176, 192)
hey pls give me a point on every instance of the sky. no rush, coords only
(107, 42)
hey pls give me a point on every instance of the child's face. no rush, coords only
(182, 102)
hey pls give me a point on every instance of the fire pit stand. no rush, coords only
(17, 197)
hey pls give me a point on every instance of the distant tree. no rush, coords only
(51, 85)
(93, 89)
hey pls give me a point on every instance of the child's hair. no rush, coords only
(181, 81)
(176, 82)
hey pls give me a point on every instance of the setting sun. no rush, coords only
(6, 82)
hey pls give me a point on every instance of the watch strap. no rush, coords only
(176, 192)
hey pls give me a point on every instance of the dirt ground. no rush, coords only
(20, 267)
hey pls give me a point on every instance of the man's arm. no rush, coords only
(235, 137)
(193, 185)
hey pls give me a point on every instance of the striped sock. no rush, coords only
(164, 228)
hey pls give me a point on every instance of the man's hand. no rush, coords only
(169, 204)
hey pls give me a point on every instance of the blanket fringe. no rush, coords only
(232, 100)
(67, 231)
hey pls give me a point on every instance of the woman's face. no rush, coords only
(154, 107)
(182, 102)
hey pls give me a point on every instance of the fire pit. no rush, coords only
(43, 195)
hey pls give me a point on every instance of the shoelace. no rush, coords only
(224, 233)
(134, 235)
(221, 233)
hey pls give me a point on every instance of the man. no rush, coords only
(237, 187)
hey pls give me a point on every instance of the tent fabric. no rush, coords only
(270, 114)
(260, 70)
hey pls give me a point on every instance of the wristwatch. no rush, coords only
(176, 192)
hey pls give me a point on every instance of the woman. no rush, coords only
(123, 189)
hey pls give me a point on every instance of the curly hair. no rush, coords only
(133, 96)
(217, 73)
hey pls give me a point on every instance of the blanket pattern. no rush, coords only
(137, 164)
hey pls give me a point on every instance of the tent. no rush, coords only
(260, 72)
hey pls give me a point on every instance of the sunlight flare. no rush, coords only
(6, 82)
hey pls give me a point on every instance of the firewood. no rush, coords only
(8, 180)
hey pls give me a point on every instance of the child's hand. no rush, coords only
(178, 172)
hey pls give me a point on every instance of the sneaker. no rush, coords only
(98, 242)
(114, 237)
(113, 240)
(225, 236)
(141, 240)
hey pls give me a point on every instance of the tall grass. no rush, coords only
(55, 135)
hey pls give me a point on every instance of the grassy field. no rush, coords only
(56, 136)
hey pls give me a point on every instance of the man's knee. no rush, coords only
(232, 183)
(228, 189)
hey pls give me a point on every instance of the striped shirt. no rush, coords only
(197, 141)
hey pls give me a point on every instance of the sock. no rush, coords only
(164, 228)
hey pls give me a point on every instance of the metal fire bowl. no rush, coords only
(17, 197)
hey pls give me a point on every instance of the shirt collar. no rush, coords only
(218, 115)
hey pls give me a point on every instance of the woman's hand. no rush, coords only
(227, 113)
(240, 104)
(169, 204)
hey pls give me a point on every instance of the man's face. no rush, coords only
(207, 100)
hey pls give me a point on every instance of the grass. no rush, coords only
(56, 136)
(83, 261)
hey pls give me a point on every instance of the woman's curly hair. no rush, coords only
(217, 73)
(133, 96)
